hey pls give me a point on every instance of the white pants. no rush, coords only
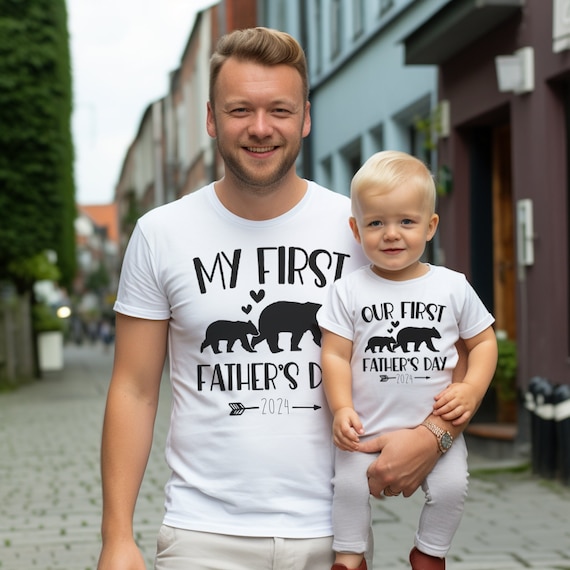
(445, 491)
(185, 549)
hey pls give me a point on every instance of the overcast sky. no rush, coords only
(122, 52)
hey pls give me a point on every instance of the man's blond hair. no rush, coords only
(259, 45)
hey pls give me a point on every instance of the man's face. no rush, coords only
(259, 119)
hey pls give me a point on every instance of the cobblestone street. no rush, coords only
(50, 499)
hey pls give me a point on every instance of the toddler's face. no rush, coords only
(393, 227)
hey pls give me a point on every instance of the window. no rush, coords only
(316, 30)
(326, 172)
(351, 161)
(336, 30)
(357, 18)
(385, 6)
(282, 15)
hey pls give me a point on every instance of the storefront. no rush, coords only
(504, 78)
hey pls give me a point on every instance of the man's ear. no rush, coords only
(306, 120)
(210, 121)
(354, 228)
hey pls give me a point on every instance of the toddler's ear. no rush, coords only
(432, 226)
(354, 228)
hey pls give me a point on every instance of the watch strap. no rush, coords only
(444, 438)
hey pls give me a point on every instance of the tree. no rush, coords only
(37, 193)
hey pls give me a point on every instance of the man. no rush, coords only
(230, 279)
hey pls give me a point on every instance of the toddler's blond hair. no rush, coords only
(386, 170)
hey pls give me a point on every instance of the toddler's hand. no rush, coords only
(457, 403)
(346, 429)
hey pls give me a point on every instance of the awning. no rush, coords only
(457, 25)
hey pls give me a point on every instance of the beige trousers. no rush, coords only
(179, 549)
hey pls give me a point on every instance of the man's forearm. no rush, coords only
(126, 444)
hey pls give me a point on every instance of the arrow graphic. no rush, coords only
(238, 409)
(385, 378)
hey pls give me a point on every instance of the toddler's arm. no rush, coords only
(460, 400)
(336, 353)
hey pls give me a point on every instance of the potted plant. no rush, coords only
(504, 380)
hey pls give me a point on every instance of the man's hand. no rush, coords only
(121, 556)
(406, 457)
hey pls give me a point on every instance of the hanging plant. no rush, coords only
(504, 380)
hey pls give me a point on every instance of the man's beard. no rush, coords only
(259, 180)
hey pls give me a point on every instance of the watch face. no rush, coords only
(446, 441)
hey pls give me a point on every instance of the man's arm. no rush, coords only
(132, 401)
(406, 458)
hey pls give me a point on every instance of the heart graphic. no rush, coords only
(246, 309)
(390, 330)
(395, 324)
(257, 296)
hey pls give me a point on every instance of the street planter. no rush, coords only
(50, 350)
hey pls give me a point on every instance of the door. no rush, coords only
(504, 260)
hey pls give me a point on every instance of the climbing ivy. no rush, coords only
(37, 202)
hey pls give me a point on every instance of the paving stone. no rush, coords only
(50, 498)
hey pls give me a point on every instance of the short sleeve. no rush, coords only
(140, 293)
(335, 315)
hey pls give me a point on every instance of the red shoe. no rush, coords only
(421, 561)
(343, 567)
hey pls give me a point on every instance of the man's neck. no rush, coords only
(251, 204)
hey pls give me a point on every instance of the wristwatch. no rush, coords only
(444, 438)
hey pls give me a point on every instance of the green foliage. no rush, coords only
(504, 380)
(99, 279)
(430, 127)
(37, 204)
(44, 319)
(27, 271)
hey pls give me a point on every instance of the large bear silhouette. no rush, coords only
(417, 336)
(289, 317)
(230, 331)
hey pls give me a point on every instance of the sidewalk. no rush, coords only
(50, 499)
(50, 496)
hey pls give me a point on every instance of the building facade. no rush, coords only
(477, 89)
(363, 98)
(504, 73)
(428, 77)
(172, 154)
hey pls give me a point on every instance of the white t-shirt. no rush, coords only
(403, 335)
(249, 444)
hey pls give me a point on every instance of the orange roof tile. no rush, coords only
(104, 215)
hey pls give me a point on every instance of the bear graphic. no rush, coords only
(288, 317)
(417, 336)
(230, 331)
(380, 342)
